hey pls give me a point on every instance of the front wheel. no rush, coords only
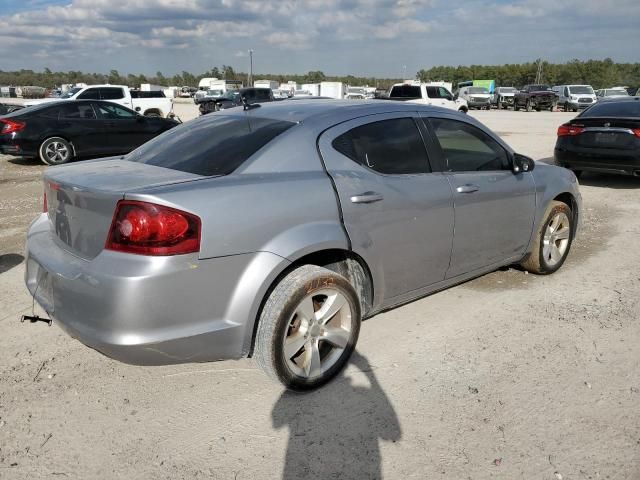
(553, 242)
(55, 151)
(308, 328)
(515, 106)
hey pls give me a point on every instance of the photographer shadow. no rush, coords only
(335, 432)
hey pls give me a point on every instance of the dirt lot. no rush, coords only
(508, 376)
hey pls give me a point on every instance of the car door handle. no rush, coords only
(468, 188)
(367, 197)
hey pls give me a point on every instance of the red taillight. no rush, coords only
(11, 126)
(149, 229)
(568, 130)
(636, 132)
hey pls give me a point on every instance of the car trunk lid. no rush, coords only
(607, 133)
(81, 198)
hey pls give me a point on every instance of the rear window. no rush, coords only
(211, 145)
(613, 109)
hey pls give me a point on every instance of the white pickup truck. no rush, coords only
(120, 94)
(436, 95)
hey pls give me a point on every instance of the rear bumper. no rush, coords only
(620, 162)
(16, 146)
(149, 310)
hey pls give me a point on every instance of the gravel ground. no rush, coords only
(506, 376)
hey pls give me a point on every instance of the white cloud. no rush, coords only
(339, 36)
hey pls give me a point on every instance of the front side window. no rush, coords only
(467, 148)
(444, 93)
(111, 93)
(115, 112)
(392, 147)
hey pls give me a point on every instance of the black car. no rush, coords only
(604, 138)
(9, 107)
(61, 131)
(234, 98)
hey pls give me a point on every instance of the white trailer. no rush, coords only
(312, 88)
(333, 89)
(272, 84)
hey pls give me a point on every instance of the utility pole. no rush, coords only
(250, 68)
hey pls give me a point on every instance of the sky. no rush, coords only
(381, 38)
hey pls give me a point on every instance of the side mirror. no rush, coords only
(522, 164)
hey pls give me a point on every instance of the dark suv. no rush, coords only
(235, 98)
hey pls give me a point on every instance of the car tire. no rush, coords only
(552, 242)
(153, 115)
(292, 343)
(552, 107)
(55, 151)
(515, 105)
(528, 106)
(566, 107)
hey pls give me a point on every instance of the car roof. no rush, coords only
(333, 111)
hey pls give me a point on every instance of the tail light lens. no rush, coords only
(568, 130)
(636, 132)
(11, 126)
(148, 229)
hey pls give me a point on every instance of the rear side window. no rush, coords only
(111, 93)
(406, 91)
(211, 145)
(75, 110)
(390, 146)
(90, 94)
(613, 109)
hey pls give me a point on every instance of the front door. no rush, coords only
(125, 129)
(494, 208)
(397, 213)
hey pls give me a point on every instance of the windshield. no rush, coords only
(478, 90)
(71, 92)
(540, 88)
(214, 93)
(582, 89)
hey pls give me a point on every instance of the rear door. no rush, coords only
(397, 213)
(494, 208)
(78, 122)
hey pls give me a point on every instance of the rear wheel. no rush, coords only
(553, 241)
(308, 328)
(55, 151)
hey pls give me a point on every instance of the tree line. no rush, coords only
(50, 79)
(598, 73)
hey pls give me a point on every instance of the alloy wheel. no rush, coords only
(556, 239)
(317, 334)
(57, 152)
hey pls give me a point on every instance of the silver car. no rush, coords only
(272, 232)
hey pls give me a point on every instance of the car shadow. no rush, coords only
(10, 260)
(603, 180)
(335, 432)
(25, 161)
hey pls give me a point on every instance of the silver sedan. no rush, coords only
(273, 231)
